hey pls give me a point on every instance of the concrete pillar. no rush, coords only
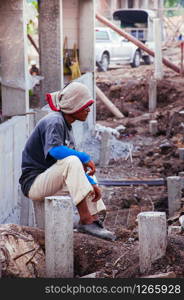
(158, 74)
(86, 36)
(59, 237)
(136, 3)
(181, 175)
(39, 210)
(144, 4)
(124, 3)
(181, 221)
(152, 94)
(181, 153)
(152, 230)
(153, 127)
(51, 46)
(14, 64)
(105, 149)
(0, 269)
(174, 194)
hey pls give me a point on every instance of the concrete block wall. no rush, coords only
(13, 135)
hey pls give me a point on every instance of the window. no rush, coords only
(101, 35)
(115, 36)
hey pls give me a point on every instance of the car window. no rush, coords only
(101, 35)
(115, 36)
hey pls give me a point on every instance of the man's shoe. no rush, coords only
(97, 230)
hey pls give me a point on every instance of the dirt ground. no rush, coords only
(155, 157)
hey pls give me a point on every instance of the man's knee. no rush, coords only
(71, 161)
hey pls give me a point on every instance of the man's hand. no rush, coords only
(97, 193)
(90, 165)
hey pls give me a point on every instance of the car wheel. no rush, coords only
(105, 62)
(137, 60)
(147, 60)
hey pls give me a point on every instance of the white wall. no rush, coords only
(13, 135)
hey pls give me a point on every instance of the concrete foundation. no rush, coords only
(152, 230)
(59, 237)
(153, 127)
(174, 194)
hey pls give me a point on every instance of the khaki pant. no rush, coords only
(66, 175)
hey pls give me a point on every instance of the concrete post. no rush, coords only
(86, 36)
(152, 230)
(158, 74)
(181, 153)
(59, 237)
(152, 95)
(105, 149)
(39, 214)
(136, 4)
(174, 194)
(0, 266)
(153, 127)
(51, 46)
(181, 175)
(14, 63)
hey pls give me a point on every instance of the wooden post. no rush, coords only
(152, 229)
(59, 237)
(174, 194)
(109, 104)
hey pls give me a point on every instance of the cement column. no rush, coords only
(145, 4)
(174, 194)
(87, 36)
(59, 237)
(105, 149)
(152, 94)
(39, 211)
(136, 4)
(153, 127)
(152, 230)
(181, 175)
(181, 153)
(51, 46)
(124, 3)
(158, 74)
(14, 64)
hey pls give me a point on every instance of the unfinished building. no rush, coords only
(57, 19)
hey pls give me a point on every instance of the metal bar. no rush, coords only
(33, 43)
(128, 182)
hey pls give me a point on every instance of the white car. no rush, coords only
(112, 48)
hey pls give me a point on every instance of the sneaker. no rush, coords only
(97, 230)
